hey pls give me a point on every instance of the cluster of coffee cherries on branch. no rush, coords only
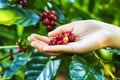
(61, 39)
(10, 51)
(49, 19)
(20, 48)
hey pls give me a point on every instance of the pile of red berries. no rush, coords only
(61, 39)
(49, 19)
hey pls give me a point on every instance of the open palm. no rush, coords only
(90, 35)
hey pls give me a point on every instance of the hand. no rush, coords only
(90, 35)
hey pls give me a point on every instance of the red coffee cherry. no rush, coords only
(59, 36)
(51, 17)
(23, 2)
(49, 28)
(67, 33)
(61, 42)
(55, 18)
(46, 21)
(72, 38)
(44, 15)
(53, 12)
(53, 41)
(52, 23)
(20, 49)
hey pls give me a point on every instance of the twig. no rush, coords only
(4, 57)
(2, 47)
(113, 77)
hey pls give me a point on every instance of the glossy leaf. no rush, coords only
(113, 50)
(17, 15)
(4, 4)
(81, 70)
(35, 65)
(16, 65)
(50, 70)
(60, 15)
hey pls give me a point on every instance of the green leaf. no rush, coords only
(63, 70)
(91, 5)
(68, 2)
(60, 15)
(7, 35)
(80, 69)
(113, 50)
(36, 5)
(35, 65)
(20, 30)
(4, 4)
(17, 15)
(50, 70)
(16, 65)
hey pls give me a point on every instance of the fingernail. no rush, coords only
(49, 34)
(28, 38)
(33, 44)
(32, 35)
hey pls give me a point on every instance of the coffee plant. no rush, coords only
(21, 18)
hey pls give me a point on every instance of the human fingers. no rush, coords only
(89, 43)
(38, 37)
(78, 47)
(39, 46)
(31, 38)
(58, 48)
(77, 28)
(61, 29)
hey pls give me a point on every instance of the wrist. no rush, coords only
(115, 39)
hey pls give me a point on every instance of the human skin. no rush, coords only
(90, 35)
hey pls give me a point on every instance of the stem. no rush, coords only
(4, 57)
(7, 56)
(113, 77)
(2, 47)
